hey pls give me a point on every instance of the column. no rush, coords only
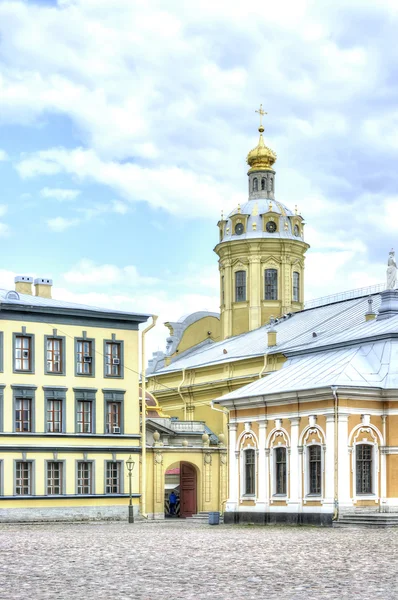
(294, 466)
(329, 462)
(254, 293)
(383, 468)
(262, 466)
(228, 291)
(343, 462)
(233, 469)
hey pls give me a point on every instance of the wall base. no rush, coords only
(68, 513)
(279, 518)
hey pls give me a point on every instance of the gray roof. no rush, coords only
(15, 300)
(368, 365)
(293, 332)
(255, 208)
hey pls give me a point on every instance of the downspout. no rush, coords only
(336, 453)
(225, 412)
(264, 367)
(181, 396)
(143, 418)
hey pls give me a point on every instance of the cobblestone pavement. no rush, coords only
(177, 560)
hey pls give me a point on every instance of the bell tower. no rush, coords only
(261, 252)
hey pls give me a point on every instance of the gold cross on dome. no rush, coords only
(261, 112)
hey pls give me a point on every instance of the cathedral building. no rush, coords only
(303, 393)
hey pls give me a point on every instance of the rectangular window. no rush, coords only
(112, 484)
(54, 478)
(23, 478)
(54, 355)
(315, 469)
(23, 415)
(54, 416)
(84, 477)
(240, 286)
(84, 417)
(296, 287)
(113, 417)
(250, 464)
(23, 353)
(271, 284)
(364, 468)
(84, 357)
(113, 359)
(280, 466)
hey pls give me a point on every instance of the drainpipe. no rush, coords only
(143, 417)
(336, 453)
(225, 412)
(181, 396)
(264, 367)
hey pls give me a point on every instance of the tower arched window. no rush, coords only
(255, 184)
(240, 286)
(263, 183)
(271, 284)
(296, 287)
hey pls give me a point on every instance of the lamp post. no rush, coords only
(130, 466)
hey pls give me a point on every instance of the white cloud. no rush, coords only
(3, 155)
(88, 273)
(60, 194)
(166, 187)
(60, 224)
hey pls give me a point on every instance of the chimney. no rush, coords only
(23, 284)
(43, 287)
(389, 304)
(271, 333)
(370, 315)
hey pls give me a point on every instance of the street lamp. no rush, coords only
(130, 466)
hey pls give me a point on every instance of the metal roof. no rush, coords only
(294, 331)
(26, 301)
(367, 365)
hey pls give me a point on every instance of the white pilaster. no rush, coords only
(329, 462)
(233, 469)
(383, 469)
(294, 465)
(343, 462)
(262, 465)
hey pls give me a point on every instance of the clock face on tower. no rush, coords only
(239, 229)
(271, 227)
(296, 230)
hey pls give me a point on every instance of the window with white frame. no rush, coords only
(280, 470)
(84, 477)
(364, 466)
(314, 469)
(23, 478)
(249, 472)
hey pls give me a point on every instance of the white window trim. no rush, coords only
(308, 497)
(243, 495)
(274, 496)
(375, 471)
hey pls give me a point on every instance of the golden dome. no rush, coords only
(261, 157)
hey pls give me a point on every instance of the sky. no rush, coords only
(125, 126)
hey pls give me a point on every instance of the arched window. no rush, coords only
(296, 287)
(364, 469)
(280, 471)
(271, 284)
(255, 184)
(263, 183)
(250, 472)
(240, 286)
(315, 469)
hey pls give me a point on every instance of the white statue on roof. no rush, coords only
(391, 271)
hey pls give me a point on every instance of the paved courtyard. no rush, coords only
(177, 560)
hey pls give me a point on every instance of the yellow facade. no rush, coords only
(49, 428)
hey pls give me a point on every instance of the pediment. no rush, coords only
(272, 261)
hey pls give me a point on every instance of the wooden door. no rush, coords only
(188, 490)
